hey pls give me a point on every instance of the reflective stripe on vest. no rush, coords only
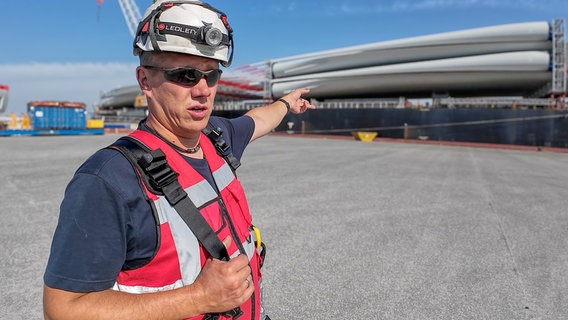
(179, 258)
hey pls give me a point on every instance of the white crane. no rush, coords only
(131, 14)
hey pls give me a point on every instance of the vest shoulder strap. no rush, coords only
(161, 179)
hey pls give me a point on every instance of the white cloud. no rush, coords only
(282, 7)
(80, 82)
(292, 6)
(441, 4)
(411, 5)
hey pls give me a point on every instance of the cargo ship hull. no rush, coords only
(538, 127)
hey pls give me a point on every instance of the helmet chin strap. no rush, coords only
(152, 34)
(232, 48)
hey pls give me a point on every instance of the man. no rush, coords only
(121, 250)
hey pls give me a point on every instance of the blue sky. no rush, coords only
(72, 50)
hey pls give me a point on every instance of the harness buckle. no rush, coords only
(161, 176)
(234, 314)
(221, 146)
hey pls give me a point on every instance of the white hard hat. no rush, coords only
(190, 27)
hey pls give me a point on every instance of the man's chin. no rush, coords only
(198, 124)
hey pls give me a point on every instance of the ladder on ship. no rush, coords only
(558, 58)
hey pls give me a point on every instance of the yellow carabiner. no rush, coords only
(257, 235)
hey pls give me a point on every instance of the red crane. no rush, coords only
(99, 2)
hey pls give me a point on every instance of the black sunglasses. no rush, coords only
(189, 76)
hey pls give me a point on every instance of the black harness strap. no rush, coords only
(221, 146)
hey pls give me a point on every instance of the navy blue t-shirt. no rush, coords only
(105, 222)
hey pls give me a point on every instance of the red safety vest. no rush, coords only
(180, 258)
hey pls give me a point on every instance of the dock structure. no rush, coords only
(380, 230)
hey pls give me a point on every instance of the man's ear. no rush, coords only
(142, 77)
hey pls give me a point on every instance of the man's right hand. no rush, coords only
(223, 285)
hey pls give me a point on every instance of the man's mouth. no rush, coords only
(197, 111)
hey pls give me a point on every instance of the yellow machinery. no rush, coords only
(19, 123)
(95, 124)
(364, 136)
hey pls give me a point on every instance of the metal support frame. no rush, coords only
(268, 76)
(558, 58)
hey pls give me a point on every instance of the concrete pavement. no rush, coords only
(354, 230)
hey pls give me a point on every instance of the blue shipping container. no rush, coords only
(57, 115)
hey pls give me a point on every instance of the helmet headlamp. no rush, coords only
(211, 36)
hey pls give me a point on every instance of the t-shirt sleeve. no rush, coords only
(236, 131)
(89, 247)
